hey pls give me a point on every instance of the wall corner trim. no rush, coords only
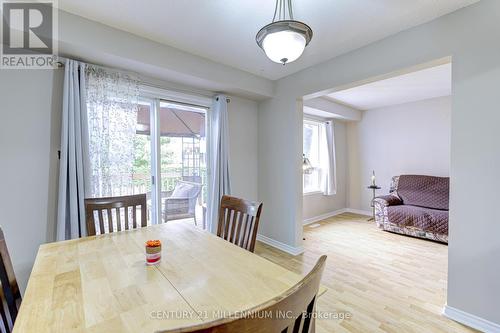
(294, 251)
(470, 320)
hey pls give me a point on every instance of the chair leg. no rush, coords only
(195, 222)
(5, 322)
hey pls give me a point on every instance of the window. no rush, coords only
(311, 150)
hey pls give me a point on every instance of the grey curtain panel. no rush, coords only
(219, 161)
(73, 160)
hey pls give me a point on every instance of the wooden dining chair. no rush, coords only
(291, 312)
(239, 221)
(10, 295)
(97, 208)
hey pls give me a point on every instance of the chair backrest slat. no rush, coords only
(249, 235)
(227, 217)
(134, 216)
(108, 205)
(101, 221)
(244, 223)
(110, 220)
(238, 228)
(126, 219)
(118, 219)
(10, 296)
(293, 311)
(235, 214)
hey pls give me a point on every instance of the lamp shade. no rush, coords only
(284, 46)
(307, 168)
(284, 41)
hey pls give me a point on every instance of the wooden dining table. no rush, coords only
(102, 284)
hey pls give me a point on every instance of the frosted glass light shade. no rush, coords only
(307, 168)
(284, 41)
(284, 46)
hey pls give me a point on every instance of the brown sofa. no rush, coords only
(417, 206)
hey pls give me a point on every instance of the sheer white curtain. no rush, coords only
(112, 106)
(219, 158)
(73, 164)
(328, 163)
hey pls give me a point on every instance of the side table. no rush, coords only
(372, 205)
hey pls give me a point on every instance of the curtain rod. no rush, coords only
(227, 99)
(61, 64)
(122, 71)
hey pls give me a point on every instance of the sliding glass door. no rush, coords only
(170, 160)
(159, 150)
(182, 162)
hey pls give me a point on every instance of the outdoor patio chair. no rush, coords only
(181, 202)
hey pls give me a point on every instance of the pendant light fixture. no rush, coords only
(307, 167)
(284, 39)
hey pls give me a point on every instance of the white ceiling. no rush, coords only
(224, 30)
(424, 84)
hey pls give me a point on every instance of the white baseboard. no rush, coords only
(294, 251)
(359, 211)
(323, 216)
(470, 320)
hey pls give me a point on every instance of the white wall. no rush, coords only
(29, 140)
(318, 204)
(470, 36)
(243, 156)
(280, 169)
(412, 138)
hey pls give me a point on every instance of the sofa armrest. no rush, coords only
(387, 200)
(380, 205)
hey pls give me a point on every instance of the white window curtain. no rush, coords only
(219, 159)
(97, 140)
(73, 163)
(328, 163)
(112, 106)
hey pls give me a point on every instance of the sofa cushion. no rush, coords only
(426, 219)
(424, 191)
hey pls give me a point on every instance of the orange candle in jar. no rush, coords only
(153, 252)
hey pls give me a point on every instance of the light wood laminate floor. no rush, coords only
(385, 282)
